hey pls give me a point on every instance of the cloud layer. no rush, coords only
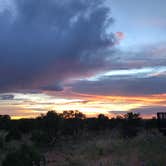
(123, 86)
(55, 48)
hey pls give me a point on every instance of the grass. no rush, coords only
(147, 149)
(108, 149)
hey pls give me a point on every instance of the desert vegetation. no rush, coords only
(71, 139)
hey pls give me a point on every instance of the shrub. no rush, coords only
(40, 138)
(25, 156)
(13, 135)
(2, 139)
(131, 124)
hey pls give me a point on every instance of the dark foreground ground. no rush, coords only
(103, 149)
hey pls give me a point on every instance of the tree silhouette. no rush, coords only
(5, 122)
(131, 124)
(132, 116)
(73, 114)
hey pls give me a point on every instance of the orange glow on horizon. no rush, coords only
(91, 105)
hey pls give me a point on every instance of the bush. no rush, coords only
(25, 156)
(13, 135)
(2, 139)
(131, 125)
(40, 138)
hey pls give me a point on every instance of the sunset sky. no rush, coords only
(95, 56)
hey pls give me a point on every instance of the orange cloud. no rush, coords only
(120, 35)
(91, 105)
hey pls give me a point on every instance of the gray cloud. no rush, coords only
(56, 87)
(151, 55)
(6, 97)
(45, 42)
(130, 86)
(143, 111)
(150, 110)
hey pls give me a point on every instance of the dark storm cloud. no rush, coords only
(45, 42)
(123, 86)
(56, 87)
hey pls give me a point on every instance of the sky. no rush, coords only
(95, 56)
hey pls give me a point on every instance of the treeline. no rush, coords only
(46, 129)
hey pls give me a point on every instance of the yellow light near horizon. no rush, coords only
(88, 104)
